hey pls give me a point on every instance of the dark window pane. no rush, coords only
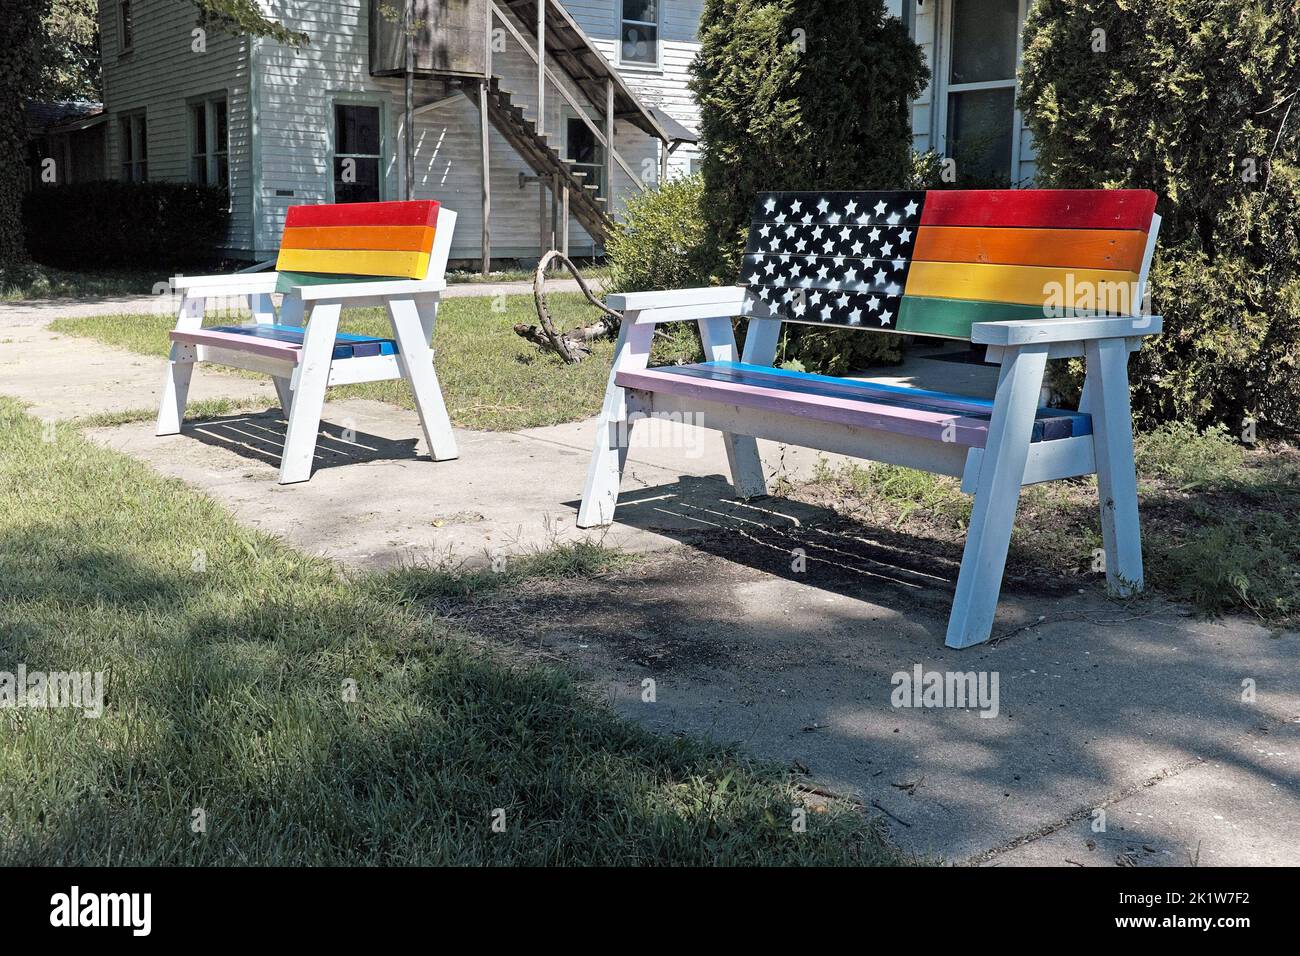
(128, 148)
(984, 40)
(640, 43)
(222, 130)
(581, 142)
(223, 170)
(979, 135)
(356, 180)
(128, 28)
(200, 128)
(357, 130)
(199, 170)
(143, 141)
(645, 10)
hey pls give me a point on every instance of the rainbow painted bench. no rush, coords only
(391, 254)
(1031, 274)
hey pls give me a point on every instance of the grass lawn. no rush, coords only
(47, 282)
(1220, 522)
(227, 692)
(491, 377)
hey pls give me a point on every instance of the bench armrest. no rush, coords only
(1039, 331)
(369, 290)
(680, 305)
(247, 283)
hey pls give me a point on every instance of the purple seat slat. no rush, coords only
(282, 341)
(267, 348)
(919, 413)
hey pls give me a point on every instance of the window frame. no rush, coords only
(619, 20)
(368, 102)
(133, 132)
(125, 27)
(943, 88)
(211, 156)
(569, 115)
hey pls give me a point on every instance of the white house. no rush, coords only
(283, 126)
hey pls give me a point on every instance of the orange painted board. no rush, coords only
(1119, 249)
(1102, 290)
(389, 238)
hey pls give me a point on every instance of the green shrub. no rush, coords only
(802, 94)
(109, 223)
(660, 244)
(1178, 452)
(1197, 100)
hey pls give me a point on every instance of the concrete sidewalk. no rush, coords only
(1136, 711)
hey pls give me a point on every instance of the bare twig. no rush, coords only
(571, 346)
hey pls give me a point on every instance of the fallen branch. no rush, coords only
(575, 345)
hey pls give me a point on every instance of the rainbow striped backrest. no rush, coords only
(356, 242)
(935, 262)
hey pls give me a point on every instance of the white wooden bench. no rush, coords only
(1031, 274)
(390, 254)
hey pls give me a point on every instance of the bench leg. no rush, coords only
(742, 450)
(291, 313)
(180, 369)
(416, 361)
(609, 455)
(309, 384)
(996, 496)
(1112, 438)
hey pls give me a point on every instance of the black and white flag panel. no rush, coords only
(836, 257)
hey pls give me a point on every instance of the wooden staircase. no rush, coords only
(520, 131)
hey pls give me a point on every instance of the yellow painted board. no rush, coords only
(1091, 290)
(360, 262)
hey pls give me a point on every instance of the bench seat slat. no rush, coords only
(916, 412)
(282, 341)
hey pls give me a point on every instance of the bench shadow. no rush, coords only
(260, 436)
(814, 545)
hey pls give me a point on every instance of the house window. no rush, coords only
(357, 153)
(587, 155)
(981, 122)
(134, 148)
(210, 143)
(125, 27)
(639, 33)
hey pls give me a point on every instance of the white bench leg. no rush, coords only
(609, 456)
(180, 369)
(291, 313)
(742, 450)
(309, 384)
(1112, 439)
(996, 496)
(416, 361)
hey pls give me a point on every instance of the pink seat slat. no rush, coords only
(267, 348)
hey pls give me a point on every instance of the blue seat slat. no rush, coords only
(346, 344)
(1051, 423)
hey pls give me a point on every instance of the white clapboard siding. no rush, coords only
(296, 93)
(160, 76)
(665, 86)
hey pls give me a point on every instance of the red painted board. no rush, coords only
(1040, 208)
(422, 212)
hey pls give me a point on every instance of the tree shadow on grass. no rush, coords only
(253, 723)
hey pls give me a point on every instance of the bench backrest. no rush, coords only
(350, 242)
(935, 262)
